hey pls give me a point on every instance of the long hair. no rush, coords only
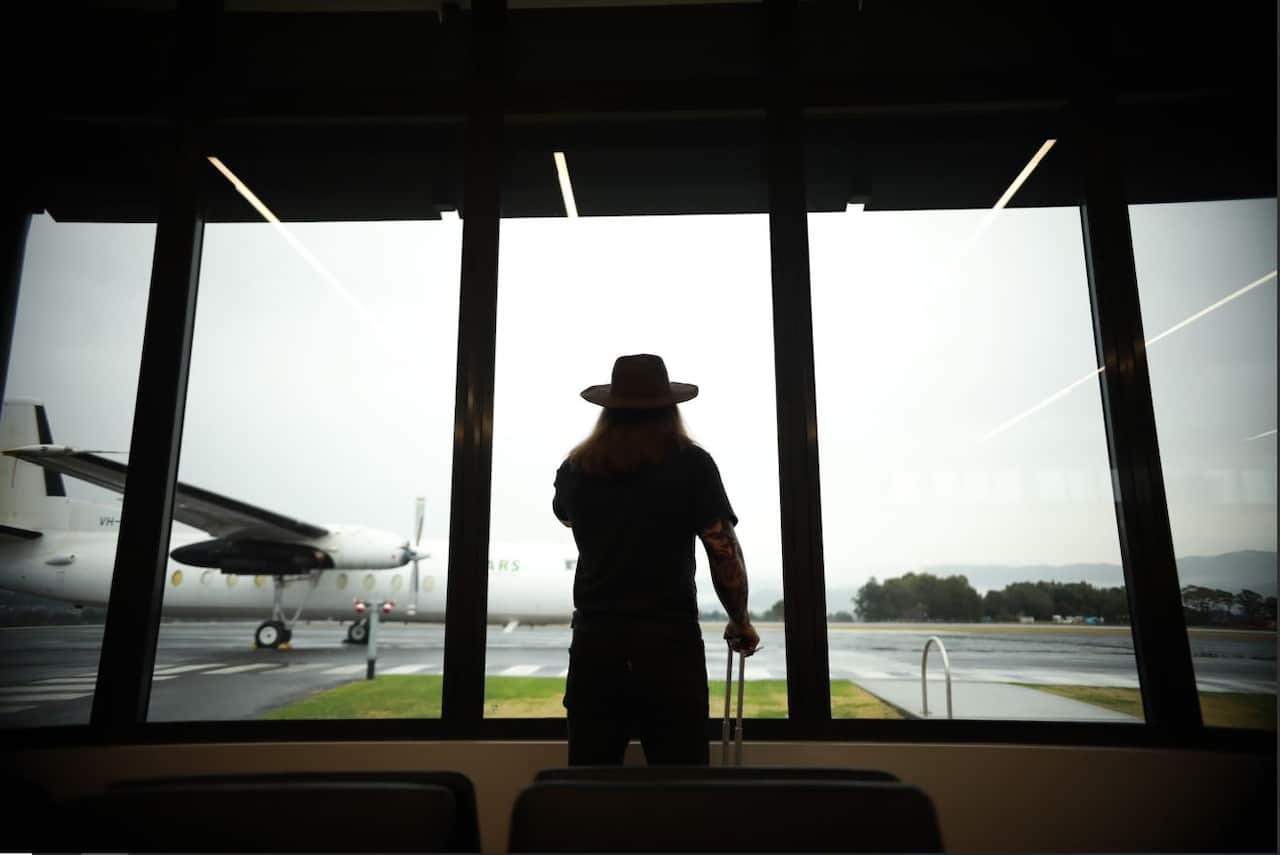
(623, 440)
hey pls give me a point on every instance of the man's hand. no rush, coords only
(742, 637)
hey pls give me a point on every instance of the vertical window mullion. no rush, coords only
(803, 580)
(137, 584)
(13, 244)
(466, 604)
(1146, 542)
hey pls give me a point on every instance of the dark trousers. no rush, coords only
(630, 681)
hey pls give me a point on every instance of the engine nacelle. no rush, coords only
(341, 549)
(251, 557)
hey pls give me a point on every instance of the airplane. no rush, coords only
(231, 559)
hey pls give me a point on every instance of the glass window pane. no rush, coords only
(965, 479)
(72, 381)
(319, 421)
(638, 272)
(1207, 280)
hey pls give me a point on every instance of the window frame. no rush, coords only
(1160, 636)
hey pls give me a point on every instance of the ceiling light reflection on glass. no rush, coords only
(566, 188)
(1061, 393)
(316, 264)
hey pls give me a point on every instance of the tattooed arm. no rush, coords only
(729, 575)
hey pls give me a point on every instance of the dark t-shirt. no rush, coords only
(635, 534)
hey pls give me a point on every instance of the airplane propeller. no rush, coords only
(415, 555)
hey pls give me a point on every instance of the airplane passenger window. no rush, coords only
(624, 243)
(317, 446)
(1207, 282)
(71, 384)
(968, 518)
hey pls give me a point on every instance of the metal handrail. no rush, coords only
(924, 673)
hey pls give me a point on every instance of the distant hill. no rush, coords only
(1232, 571)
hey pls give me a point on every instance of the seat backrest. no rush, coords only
(277, 814)
(712, 773)
(466, 826)
(724, 816)
(28, 806)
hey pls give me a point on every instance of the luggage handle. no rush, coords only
(728, 693)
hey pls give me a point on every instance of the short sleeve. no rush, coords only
(562, 502)
(709, 500)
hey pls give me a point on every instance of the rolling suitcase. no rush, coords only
(728, 691)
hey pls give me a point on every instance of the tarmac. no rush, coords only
(210, 671)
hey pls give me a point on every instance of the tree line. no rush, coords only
(925, 597)
(1202, 606)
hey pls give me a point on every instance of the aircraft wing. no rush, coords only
(219, 515)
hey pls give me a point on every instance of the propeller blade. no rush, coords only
(413, 589)
(419, 513)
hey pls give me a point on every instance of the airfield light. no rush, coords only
(359, 607)
(387, 607)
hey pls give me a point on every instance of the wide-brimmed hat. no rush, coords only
(640, 382)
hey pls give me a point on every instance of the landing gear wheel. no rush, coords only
(288, 636)
(358, 632)
(270, 633)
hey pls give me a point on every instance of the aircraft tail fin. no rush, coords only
(24, 486)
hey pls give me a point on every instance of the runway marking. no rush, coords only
(347, 669)
(870, 675)
(408, 669)
(74, 681)
(5, 709)
(309, 666)
(19, 696)
(182, 669)
(519, 671)
(240, 669)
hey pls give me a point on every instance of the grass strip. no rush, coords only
(418, 696)
(1219, 709)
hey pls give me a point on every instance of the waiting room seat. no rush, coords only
(723, 816)
(712, 773)
(281, 812)
(28, 809)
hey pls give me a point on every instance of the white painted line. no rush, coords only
(309, 666)
(407, 669)
(70, 681)
(240, 669)
(519, 671)
(26, 688)
(6, 709)
(182, 669)
(46, 696)
(871, 675)
(348, 669)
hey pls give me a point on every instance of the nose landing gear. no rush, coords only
(358, 632)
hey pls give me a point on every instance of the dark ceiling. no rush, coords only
(659, 108)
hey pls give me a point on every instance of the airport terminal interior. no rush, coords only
(300, 297)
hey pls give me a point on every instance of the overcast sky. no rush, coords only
(327, 392)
